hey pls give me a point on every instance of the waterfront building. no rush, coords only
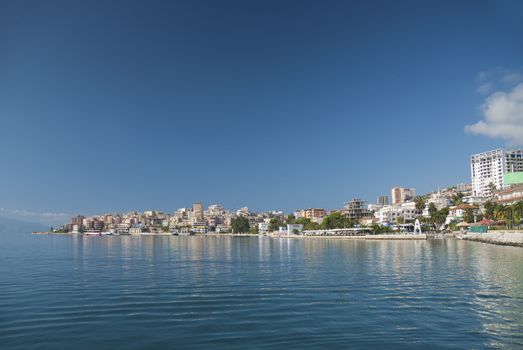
(409, 211)
(136, 230)
(389, 214)
(222, 228)
(456, 212)
(489, 169)
(263, 227)
(401, 195)
(199, 227)
(314, 214)
(198, 211)
(77, 220)
(122, 229)
(98, 225)
(294, 229)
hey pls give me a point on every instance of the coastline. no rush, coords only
(504, 238)
(358, 237)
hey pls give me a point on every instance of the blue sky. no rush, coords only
(120, 105)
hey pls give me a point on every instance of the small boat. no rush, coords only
(92, 233)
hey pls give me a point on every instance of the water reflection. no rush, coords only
(202, 292)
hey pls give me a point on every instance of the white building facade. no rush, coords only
(389, 214)
(489, 167)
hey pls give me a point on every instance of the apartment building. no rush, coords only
(401, 195)
(488, 169)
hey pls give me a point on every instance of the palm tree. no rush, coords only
(490, 208)
(440, 217)
(457, 199)
(492, 188)
(506, 214)
(420, 203)
(518, 212)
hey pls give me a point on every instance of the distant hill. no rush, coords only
(17, 226)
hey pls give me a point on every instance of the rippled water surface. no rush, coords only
(69, 292)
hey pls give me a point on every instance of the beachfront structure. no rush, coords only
(401, 195)
(389, 214)
(488, 169)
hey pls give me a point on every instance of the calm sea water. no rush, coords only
(257, 293)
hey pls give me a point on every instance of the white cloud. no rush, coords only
(511, 78)
(485, 88)
(497, 78)
(502, 117)
(43, 218)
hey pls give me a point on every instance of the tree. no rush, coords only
(510, 214)
(468, 215)
(490, 209)
(290, 219)
(336, 220)
(518, 212)
(240, 224)
(308, 224)
(376, 228)
(457, 199)
(254, 230)
(433, 212)
(274, 224)
(400, 220)
(420, 204)
(441, 217)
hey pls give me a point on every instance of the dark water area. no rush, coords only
(79, 292)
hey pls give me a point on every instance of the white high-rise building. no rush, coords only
(489, 167)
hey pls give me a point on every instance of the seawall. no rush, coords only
(510, 238)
